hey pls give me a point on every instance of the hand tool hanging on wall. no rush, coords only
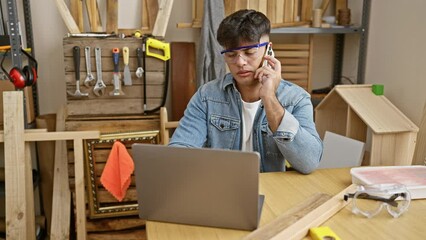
(100, 86)
(76, 56)
(139, 70)
(127, 77)
(116, 74)
(89, 76)
(147, 43)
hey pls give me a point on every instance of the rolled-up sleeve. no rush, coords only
(287, 129)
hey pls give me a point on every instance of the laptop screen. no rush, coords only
(207, 187)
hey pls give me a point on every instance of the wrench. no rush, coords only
(89, 76)
(100, 86)
(139, 70)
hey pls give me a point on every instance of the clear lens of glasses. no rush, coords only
(370, 200)
(247, 54)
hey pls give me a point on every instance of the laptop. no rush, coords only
(198, 186)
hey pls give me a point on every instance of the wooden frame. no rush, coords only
(101, 207)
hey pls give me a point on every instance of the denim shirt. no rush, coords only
(213, 119)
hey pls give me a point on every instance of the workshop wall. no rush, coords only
(395, 54)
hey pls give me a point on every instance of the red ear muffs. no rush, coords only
(17, 77)
(22, 78)
(30, 75)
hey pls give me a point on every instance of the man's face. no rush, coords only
(244, 60)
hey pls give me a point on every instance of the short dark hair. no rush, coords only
(242, 26)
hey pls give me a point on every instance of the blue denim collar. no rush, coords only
(228, 79)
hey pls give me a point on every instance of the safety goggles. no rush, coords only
(370, 200)
(247, 53)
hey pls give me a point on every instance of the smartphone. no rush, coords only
(269, 52)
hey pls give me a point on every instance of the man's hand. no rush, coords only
(270, 76)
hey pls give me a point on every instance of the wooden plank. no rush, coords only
(392, 149)
(294, 68)
(145, 14)
(61, 200)
(331, 115)
(197, 12)
(57, 136)
(299, 54)
(133, 92)
(287, 46)
(271, 11)
(295, 75)
(25, 131)
(153, 79)
(152, 9)
(279, 11)
(263, 6)
(296, 14)
(112, 16)
(114, 224)
(98, 107)
(162, 20)
(20, 222)
(67, 17)
(316, 217)
(288, 11)
(80, 221)
(76, 9)
(94, 15)
(324, 6)
(133, 234)
(355, 127)
(183, 80)
(229, 6)
(289, 217)
(241, 4)
(111, 126)
(306, 10)
(311, 61)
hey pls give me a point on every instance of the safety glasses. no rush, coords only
(247, 53)
(370, 200)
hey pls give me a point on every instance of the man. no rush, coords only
(252, 108)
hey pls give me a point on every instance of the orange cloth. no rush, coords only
(118, 170)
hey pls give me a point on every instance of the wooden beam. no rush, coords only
(20, 217)
(288, 218)
(112, 16)
(76, 9)
(315, 218)
(94, 15)
(57, 136)
(67, 17)
(163, 15)
(19, 193)
(80, 202)
(61, 199)
(306, 10)
(25, 131)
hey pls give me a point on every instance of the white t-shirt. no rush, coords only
(249, 112)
